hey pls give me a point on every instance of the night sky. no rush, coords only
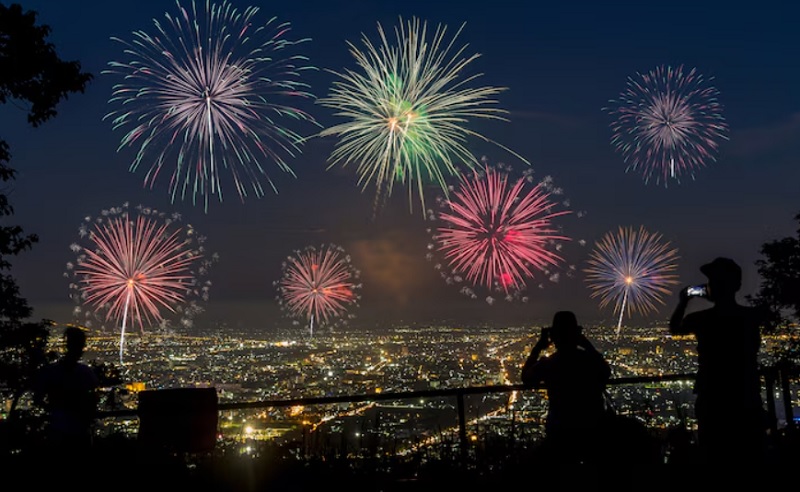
(561, 63)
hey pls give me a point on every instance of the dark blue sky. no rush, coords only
(561, 63)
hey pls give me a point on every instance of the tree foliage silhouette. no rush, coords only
(779, 291)
(32, 77)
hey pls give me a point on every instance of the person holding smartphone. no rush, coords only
(731, 421)
(575, 377)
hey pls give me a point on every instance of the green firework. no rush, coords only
(407, 110)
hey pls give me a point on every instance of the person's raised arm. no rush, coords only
(676, 320)
(584, 343)
(528, 374)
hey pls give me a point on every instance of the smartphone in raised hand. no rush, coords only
(697, 291)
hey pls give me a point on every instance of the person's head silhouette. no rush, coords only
(75, 340)
(565, 330)
(724, 278)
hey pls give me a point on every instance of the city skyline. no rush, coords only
(560, 65)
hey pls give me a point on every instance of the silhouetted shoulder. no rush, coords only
(539, 372)
(745, 316)
(750, 316)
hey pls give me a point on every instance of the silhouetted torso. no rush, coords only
(731, 421)
(728, 342)
(575, 380)
(67, 389)
(575, 377)
(728, 406)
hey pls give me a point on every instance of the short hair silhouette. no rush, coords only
(75, 339)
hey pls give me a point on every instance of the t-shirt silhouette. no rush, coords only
(67, 389)
(728, 342)
(575, 380)
(729, 407)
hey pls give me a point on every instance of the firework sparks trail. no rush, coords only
(407, 110)
(632, 270)
(497, 233)
(668, 123)
(135, 267)
(202, 96)
(319, 285)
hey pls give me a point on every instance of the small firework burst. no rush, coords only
(140, 267)
(631, 269)
(668, 124)
(319, 285)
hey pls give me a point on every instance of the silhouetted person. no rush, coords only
(731, 423)
(67, 390)
(575, 377)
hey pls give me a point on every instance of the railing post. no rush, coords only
(462, 426)
(787, 397)
(769, 381)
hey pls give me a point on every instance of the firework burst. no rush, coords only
(136, 267)
(318, 285)
(407, 110)
(632, 270)
(668, 123)
(496, 234)
(200, 100)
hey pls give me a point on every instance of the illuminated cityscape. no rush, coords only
(314, 235)
(246, 368)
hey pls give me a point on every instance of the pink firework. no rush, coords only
(136, 268)
(318, 285)
(497, 233)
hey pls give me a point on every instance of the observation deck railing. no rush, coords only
(775, 380)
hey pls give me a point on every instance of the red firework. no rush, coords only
(135, 268)
(496, 233)
(318, 284)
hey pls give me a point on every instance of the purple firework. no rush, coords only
(668, 124)
(204, 99)
(631, 269)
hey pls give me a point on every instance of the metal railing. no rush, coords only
(773, 378)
